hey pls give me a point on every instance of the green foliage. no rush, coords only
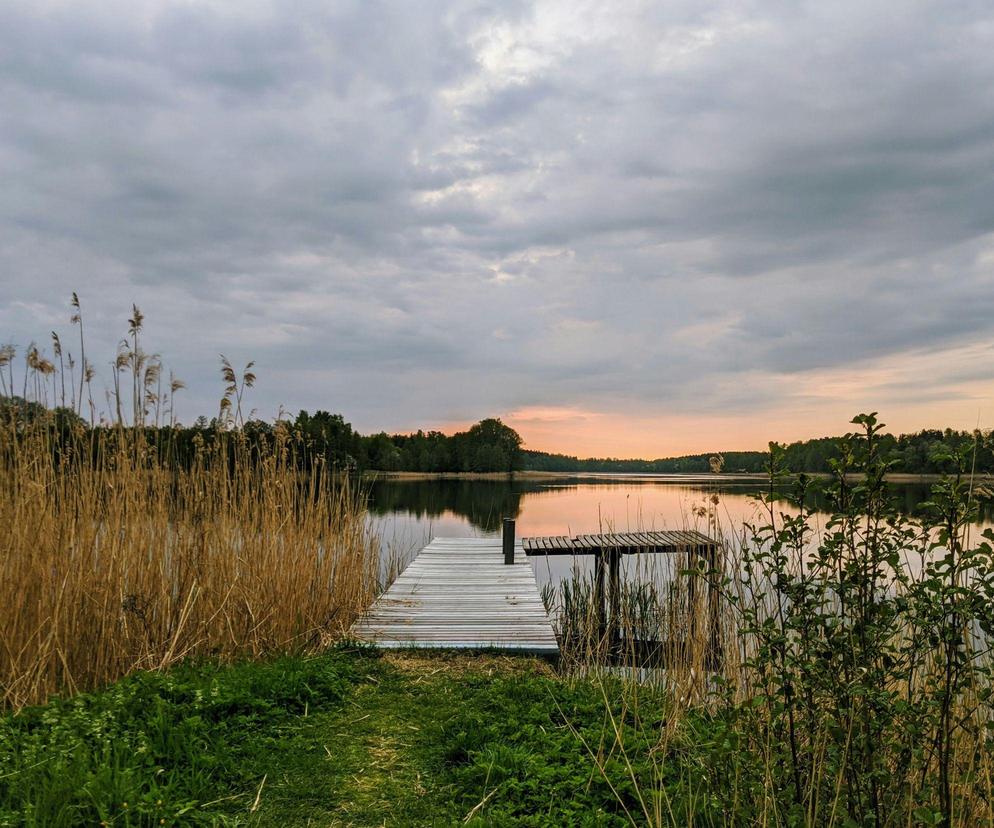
(345, 738)
(488, 446)
(520, 745)
(155, 746)
(22, 412)
(867, 646)
(350, 738)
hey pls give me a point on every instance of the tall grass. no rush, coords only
(112, 560)
(671, 611)
(113, 557)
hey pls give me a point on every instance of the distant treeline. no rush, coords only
(744, 461)
(492, 446)
(918, 453)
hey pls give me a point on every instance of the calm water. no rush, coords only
(408, 514)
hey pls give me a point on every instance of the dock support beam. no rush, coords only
(508, 541)
(599, 596)
(614, 602)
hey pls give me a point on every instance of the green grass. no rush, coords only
(345, 738)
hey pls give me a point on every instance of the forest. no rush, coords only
(492, 446)
(321, 437)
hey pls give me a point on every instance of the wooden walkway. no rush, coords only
(459, 593)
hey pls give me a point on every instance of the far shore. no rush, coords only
(688, 477)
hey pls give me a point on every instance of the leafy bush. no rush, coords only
(865, 653)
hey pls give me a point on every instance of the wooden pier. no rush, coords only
(465, 593)
(481, 593)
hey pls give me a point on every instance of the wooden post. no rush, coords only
(703, 563)
(614, 593)
(692, 575)
(715, 648)
(599, 595)
(508, 541)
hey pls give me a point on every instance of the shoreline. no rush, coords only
(631, 477)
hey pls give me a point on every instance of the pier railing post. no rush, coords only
(508, 541)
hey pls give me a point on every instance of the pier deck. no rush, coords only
(459, 593)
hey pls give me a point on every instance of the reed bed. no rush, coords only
(131, 543)
(675, 627)
(114, 558)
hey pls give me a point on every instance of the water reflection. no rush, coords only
(408, 513)
(482, 503)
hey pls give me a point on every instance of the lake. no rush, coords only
(408, 513)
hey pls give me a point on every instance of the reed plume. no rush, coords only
(117, 557)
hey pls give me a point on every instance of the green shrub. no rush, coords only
(866, 653)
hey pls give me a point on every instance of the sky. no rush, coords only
(627, 229)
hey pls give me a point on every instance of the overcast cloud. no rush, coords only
(425, 213)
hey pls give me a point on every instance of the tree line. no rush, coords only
(492, 446)
(325, 438)
(921, 452)
(488, 446)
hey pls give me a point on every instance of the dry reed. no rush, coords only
(115, 560)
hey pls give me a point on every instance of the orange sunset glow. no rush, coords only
(816, 404)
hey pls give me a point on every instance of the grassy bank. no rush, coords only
(355, 738)
(344, 738)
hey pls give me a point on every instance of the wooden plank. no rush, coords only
(427, 632)
(505, 574)
(448, 602)
(665, 541)
(452, 624)
(459, 593)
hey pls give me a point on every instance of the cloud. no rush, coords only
(419, 213)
